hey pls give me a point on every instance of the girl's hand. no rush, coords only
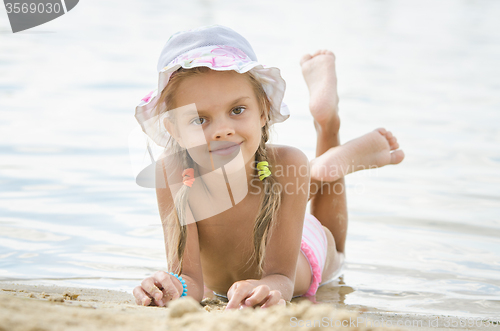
(246, 294)
(158, 289)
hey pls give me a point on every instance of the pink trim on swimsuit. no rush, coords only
(316, 269)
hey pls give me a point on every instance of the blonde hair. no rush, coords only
(270, 199)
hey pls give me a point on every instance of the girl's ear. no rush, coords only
(263, 119)
(170, 127)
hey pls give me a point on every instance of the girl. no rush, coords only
(233, 207)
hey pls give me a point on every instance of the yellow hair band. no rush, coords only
(263, 168)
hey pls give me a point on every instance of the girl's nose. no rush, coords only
(223, 130)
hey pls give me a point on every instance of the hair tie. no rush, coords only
(263, 168)
(188, 177)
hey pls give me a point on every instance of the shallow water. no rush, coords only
(423, 236)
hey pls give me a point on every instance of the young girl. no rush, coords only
(233, 207)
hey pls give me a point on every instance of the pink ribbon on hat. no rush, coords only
(147, 97)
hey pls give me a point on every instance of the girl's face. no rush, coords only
(217, 114)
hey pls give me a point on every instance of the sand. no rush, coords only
(31, 307)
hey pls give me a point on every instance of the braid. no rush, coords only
(269, 205)
(177, 239)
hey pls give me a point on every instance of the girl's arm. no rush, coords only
(163, 287)
(282, 251)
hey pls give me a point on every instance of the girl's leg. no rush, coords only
(328, 199)
(333, 161)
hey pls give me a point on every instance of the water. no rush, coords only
(423, 236)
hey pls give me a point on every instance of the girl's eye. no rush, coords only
(197, 121)
(238, 110)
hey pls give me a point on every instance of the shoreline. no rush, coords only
(42, 307)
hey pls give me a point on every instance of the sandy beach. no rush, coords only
(37, 307)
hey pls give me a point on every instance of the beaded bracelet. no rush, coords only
(183, 282)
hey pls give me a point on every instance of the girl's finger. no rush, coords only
(141, 297)
(239, 293)
(170, 291)
(258, 296)
(149, 286)
(274, 298)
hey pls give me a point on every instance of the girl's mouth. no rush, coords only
(227, 151)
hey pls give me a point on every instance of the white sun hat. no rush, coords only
(218, 48)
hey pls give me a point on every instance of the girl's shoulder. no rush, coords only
(288, 161)
(284, 154)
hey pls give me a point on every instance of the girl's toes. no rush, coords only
(397, 156)
(389, 135)
(392, 142)
(318, 52)
(382, 131)
(305, 58)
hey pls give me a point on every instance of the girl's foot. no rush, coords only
(321, 79)
(372, 150)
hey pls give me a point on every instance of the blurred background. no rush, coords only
(423, 235)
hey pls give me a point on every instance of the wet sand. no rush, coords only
(37, 307)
